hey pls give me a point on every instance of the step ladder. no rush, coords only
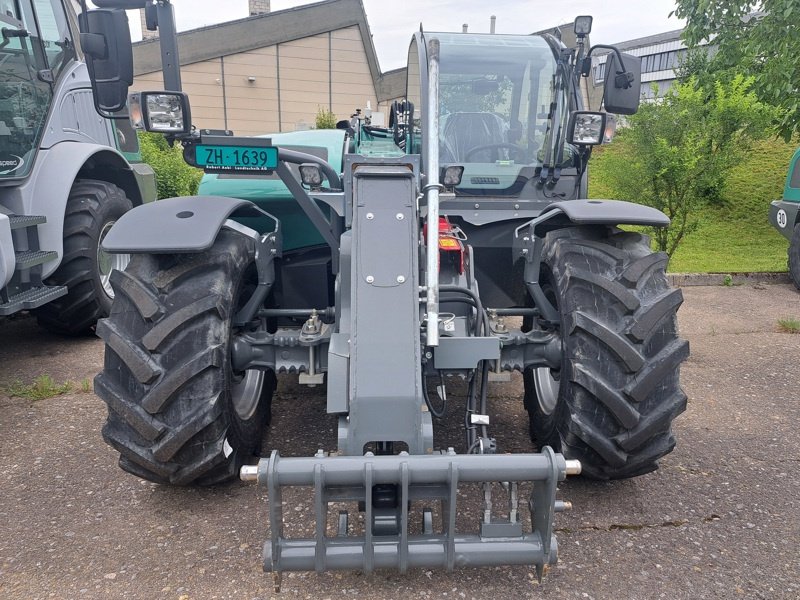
(26, 290)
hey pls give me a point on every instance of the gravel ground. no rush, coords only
(720, 519)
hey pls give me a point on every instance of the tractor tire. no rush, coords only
(177, 413)
(612, 402)
(794, 256)
(92, 208)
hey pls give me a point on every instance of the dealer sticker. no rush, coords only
(782, 220)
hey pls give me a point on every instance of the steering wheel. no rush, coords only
(518, 150)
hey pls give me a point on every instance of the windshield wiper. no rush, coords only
(555, 150)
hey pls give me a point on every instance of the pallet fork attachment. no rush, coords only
(431, 478)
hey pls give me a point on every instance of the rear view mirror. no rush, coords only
(106, 42)
(622, 90)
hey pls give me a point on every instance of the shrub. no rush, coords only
(676, 150)
(325, 119)
(173, 176)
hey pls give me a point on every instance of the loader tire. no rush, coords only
(177, 413)
(612, 402)
(794, 256)
(92, 208)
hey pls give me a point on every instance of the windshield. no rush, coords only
(25, 56)
(496, 95)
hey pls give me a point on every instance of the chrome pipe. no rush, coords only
(432, 192)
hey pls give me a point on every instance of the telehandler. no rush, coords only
(410, 248)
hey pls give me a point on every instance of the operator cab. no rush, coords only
(500, 101)
(35, 47)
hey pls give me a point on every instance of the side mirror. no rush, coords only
(586, 128)
(106, 42)
(622, 90)
(160, 112)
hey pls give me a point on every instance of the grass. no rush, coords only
(44, 386)
(789, 325)
(735, 237)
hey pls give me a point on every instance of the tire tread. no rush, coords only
(620, 388)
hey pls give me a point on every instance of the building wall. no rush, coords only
(279, 87)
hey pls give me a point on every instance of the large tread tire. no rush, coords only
(794, 256)
(167, 378)
(619, 379)
(92, 207)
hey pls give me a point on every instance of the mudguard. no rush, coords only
(176, 225)
(783, 216)
(47, 188)
(607, 212)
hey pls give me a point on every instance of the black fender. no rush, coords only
(599, 212)
(569, 213)
(178, 225)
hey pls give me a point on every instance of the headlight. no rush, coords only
(160, 112)
(587, 128)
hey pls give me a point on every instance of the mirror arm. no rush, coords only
(623, 78)
(168, 40)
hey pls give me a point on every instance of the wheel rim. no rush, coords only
(547, 389)
(246, 393)
(107, 262)
(547, 380)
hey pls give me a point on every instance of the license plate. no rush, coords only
(236, 158)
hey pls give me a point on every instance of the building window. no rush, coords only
(663, 61)
(600, 72)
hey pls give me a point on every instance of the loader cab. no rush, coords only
(501, 100)
(36, 47)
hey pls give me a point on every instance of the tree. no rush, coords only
(676, 148)
(758, 38)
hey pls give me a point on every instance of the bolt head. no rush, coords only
(370, 279)
(401, 279)
(400, 216)
(370, 216)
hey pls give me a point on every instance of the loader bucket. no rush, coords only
(434, 478)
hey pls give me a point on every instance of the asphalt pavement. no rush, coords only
(720, 519)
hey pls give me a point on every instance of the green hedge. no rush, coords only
(173, 176)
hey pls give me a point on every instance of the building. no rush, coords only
(273, 71)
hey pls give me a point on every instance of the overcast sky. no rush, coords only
(392, 22)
